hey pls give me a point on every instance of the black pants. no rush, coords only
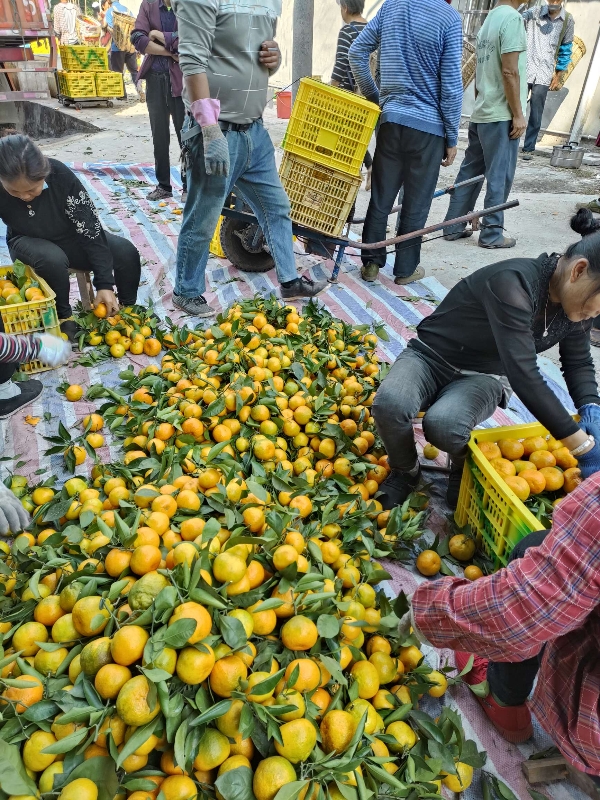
(162, 106)
(409, 158)
(512, 683)
(52, 263)
(119, 59)
(537, 101)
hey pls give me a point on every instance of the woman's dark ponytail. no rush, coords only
(20, 157)
(585, 224)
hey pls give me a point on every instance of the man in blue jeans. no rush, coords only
(227, 54)
(497, 123)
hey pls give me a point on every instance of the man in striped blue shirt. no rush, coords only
(420, 95)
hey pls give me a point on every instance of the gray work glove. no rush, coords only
(13, 517)
(54, 351)
(216, 151)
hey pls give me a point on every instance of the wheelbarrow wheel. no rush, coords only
(237, 241)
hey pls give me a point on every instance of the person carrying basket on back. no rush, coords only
(119, 59)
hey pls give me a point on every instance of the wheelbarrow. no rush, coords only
(244, 244)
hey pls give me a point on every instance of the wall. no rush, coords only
(560, 107)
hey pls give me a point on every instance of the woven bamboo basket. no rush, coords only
(579, 51)
(88, 31)
(469, 63)
(122, 27)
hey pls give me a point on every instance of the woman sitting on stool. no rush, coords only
(53, 226)
(481, 342)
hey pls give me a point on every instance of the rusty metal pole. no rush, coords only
(302, 52)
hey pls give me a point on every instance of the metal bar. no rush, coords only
(302, 231)
(439, 193)
(433, 228)
(338, 264)
(28, 71)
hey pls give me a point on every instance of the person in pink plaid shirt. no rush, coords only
(540, 616)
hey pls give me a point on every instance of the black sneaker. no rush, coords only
(159, 194)
(30, 391)
(453, 490)
(194, 306)
(396, 488)
(72, 330)
(302, 288)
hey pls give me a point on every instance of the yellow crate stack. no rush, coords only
(325, 144)
(85, 73)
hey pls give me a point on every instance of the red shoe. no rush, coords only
(513, 722)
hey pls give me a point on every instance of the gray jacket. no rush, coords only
(222, 38)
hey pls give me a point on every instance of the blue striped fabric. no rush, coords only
(420, 53)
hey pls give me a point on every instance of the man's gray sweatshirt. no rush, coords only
(222, 38)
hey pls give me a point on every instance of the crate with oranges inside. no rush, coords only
(513, 477)
(27, 305)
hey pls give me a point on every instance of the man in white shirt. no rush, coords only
(64, 16)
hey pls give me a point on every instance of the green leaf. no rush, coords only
(13, 777)
(333, 666)
(100, 770)
(236, 784)
(137, 738)
(328, 626)
(67, 744)
(233, 632)
(179, 632)
(268, 684)
(536, 795)
(291, 790)
(44, 709)
(504, 790)
(214, 712)
(480, 689)
(467, 668)
(257, 489)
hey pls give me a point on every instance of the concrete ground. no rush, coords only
(547, 195)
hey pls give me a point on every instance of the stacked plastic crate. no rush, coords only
(325, 145)
(85, 73)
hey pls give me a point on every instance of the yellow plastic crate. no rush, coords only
(76, 84)
(330, 126)
(35, 316)
(487, 504)
(109, 84)
(80, 58)
(321, 198)
(215, 245)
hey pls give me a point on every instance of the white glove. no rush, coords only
(54, 351)
(13, 517)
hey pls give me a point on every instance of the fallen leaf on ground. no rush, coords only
(32, 420)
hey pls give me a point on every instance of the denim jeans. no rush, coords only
(512, 683)
(404, 157)
(254, 173)
(454, 405)
(491, 153)
(537, 101)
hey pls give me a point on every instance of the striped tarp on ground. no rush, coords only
(119, 190)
